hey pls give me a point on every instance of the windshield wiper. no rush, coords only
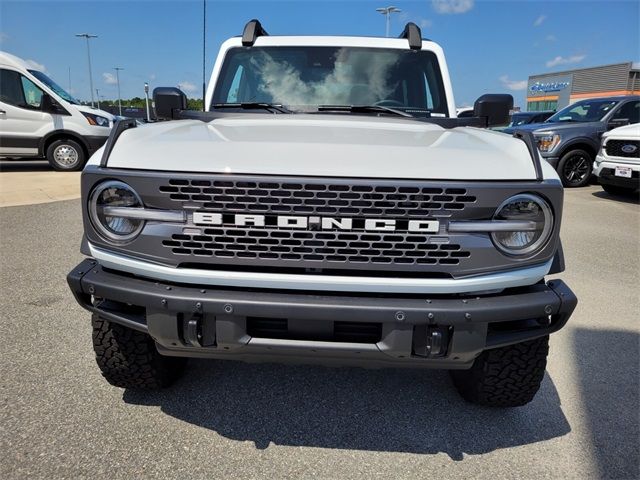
(254, 106)
(363, 109)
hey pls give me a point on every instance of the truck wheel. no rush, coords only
(65, 155)
(575, 168)
(504, 377)
(616, 190)
(129, 359)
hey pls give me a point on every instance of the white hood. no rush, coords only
(324, 145)
(631, 132)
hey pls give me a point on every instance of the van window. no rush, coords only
(32, 94)
(18, 90)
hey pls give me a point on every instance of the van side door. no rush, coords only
(22, 123)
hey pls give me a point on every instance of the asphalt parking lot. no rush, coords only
(60, 419)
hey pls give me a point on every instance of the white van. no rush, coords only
(39, 119)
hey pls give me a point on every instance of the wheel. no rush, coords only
(66, 155)
(616, 190)
(129, 358)
(504, 377)
(575, 168)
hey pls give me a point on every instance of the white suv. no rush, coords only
(617, 165)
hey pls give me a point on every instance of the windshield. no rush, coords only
(519, 119)
(304, 78)
(584, 111)
(54, 86)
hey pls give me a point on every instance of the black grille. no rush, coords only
(280, 328)
(615, 148)
(333, 247)
(317, 198)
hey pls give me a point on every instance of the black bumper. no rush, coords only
(607, 177)
(263, 325)
(94, 143)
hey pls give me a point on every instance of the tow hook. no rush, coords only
(193, 330)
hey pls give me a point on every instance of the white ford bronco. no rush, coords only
(327, 207)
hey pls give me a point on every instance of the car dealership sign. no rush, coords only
(545, 87)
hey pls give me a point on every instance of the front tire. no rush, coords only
(65, 155)
(575, 168)
(129, 358)
(504, 377)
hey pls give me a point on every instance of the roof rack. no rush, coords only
(413, 34)
(252, 30)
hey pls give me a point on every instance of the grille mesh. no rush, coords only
(314, 198)
(614, 148)
(354, 247)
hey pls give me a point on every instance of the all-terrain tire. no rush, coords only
(504, 377)
(129, 358)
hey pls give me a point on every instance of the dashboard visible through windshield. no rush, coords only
(303, 78)
(584, 111)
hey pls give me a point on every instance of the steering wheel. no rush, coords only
(388, 102)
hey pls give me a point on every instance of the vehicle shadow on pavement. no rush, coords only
(631, 198)
(609, 378)
(24, 166)
(347, 408)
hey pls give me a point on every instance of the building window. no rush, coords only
(542, 105)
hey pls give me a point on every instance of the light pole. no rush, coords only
(387, 11)
(117, 69)
(87, 36)
(146, 99)
(98, 96)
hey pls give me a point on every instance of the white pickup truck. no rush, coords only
(327, 207)
(617, 165)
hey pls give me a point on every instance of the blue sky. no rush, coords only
(491, 46)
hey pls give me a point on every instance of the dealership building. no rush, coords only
(553, 91)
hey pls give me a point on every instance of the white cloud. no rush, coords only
(565, 61)
(109, 78)
(550, 38)
(35, 65)
(540, 20)
(187, 87)
(3, 37)
(425, 23)
(152, 77)
(514, 85)
(452, 6)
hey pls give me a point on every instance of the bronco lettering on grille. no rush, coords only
(316, 223)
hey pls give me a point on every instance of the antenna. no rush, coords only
(204, 49)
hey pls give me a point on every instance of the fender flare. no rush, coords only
(66, 133)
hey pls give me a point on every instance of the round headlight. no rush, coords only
(114, 194)
(532, 210)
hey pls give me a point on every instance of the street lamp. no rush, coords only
(98, 95)
(146, 99)
(87, 36)
(387, 11)
(117, 69)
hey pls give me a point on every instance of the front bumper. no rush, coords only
(605, 168)
(94, 142)
(551, 159)
(255, 325)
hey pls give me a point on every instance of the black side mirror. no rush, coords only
(49, 105)
(167, 101)
(617, 122)
(495, 107)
